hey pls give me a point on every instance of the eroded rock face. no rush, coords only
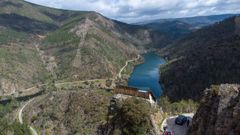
(219, 112)
(7, 87)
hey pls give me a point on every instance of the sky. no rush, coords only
(132, 11)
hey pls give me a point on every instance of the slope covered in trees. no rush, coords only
(207, 56)
(37, 42)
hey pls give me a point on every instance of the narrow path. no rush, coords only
(25, 90)
(75, 63)
(33, 131)
(119, 75)
(126, 64)
(21, 110)
(93, 80)
(90, 80)
(177, 129)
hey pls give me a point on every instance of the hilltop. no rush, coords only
(39, 44)
(93, 46)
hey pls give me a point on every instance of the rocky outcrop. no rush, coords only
(7, 87)
(49, 61)
(219, 112)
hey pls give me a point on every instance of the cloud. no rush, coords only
(141, 10)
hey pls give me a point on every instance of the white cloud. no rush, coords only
(139, 10)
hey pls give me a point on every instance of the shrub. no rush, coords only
(132, 117)
(183, 106)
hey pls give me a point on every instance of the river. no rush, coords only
(146, 75)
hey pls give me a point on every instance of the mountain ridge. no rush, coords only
(205, 57)
(63, 45)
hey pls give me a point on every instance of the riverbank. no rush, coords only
(127, 70)
(145, 76)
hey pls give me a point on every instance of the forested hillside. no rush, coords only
(207, 56)
(39, 43)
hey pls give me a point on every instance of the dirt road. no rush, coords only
(33, 131)
(126, 64)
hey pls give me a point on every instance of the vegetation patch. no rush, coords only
(75, 112)
(7, 124)
(132, 117)
(208, 56)
(175, 108)
(8, 36)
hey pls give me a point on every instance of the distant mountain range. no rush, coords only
(198, 21)
(178, 27)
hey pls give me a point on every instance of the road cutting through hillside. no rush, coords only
(119, 75)
(126, 64)
(93, 80)
(33, 131)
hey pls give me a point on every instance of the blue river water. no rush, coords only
(146, 76)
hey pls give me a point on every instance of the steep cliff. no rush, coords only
(219, 112)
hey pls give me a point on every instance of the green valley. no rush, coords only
(70, 72)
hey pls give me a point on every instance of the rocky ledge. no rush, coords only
(219, 111)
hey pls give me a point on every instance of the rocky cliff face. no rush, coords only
(219, 112)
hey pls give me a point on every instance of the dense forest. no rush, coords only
(207, 56)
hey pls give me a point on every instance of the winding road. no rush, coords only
(126, 64)
(33, 131)
(119, 75)
(93, 80)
